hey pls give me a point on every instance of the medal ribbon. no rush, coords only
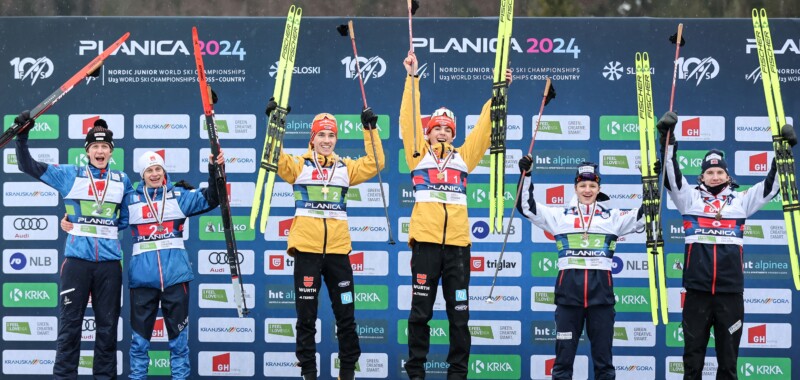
(445, 161)
(150, 203)
(98, 201)
(586, 225)
(325, 181)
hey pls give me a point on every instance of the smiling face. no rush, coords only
(154, 176)
(99, 154)
(587, 191)
(714, 176)
(324, 142)
(440, 134)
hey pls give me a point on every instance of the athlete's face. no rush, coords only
(99, 154)
(440, 134)
(715, 177)
(154, 176)
(324, 142)
(587, 191)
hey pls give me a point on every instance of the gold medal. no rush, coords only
(440, 176)
(718, 216)
(160, 228)
(585, 236)
(324, 190)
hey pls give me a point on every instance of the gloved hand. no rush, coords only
(667, 123)
(788, 134)
(21, 119)
(369, 120)
(525, 164)
(271, 106)
(186, 185)
(657, 167)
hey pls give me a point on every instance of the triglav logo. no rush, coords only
(613, 70)
(373, 67)
(697, 69)
(32, 68)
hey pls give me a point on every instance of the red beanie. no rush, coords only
(323, 121)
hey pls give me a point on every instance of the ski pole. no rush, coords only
(371, 135)
(413, 93)
(549, 94)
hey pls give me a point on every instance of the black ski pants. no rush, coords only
(701, 311)
(429, 263)
(103, 281)
(309, 271)
(599, 322)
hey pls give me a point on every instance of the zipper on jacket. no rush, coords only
(444, 229)
(585, 288)
(160, 273)
(325, 235)
(714, 278)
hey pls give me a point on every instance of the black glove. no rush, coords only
(667, 123)
(186, 185)
(21, 119)
(657, 167)
(525, 164)
(271, 106)
(788, 134)
(214, 97)
(369, 120)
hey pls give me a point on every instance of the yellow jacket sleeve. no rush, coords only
(409, 120)
(363, 169)
(289, 167)
(479, 140)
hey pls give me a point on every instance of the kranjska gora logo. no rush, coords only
(32, 68)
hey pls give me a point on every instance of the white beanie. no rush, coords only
(149, 159)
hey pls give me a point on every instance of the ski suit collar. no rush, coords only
(441, 149)
(324, 161)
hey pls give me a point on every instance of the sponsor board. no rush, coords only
(284, 364)
(764, 368)
(767, 301)
(282, 195)
(240, 194)
(624, 197)
(367, 194)
(28, 362)
(369, 365)
(216, 262)
(558, 161)
(514, 126)
(544, 333)
(765, 232)
(30, 294)
(619, 127)
(369, 263)
(512, 159)
(562, 127)
(675, 338)
(161, 127)
(47, 156)
(507, 298)
(478, 194)
(280, 296)
(176, 160)
(370, 331)
(351, 128)
(632, 299)
(753, 162)
(30, 227)
(484, 333)
(766, 335)
(284, 330)
(78, 157)
(29, 328)
(620, 162)
(368, 229)
(228, 330)
(766, 266)
(80, 124)
(774, 204)
(89, 330)
(371, 297)
(634, 334)
(542, 367)
(220, 296)
(634, 367)
(226, 363)
(237, 160)
(700, 128)
(754, 128)
(278, 263)
(674, 368)
(543, 298)
(435, 368)
(544, 264)
(29, 194)
(231, 126)
(481, 232)
(439, 331)
(494, 366)
(674, 265)
(30, 261)
(86, 362)
(211, 228)
(159, 363)
(45, 127)
(482, 264)
(629, 265)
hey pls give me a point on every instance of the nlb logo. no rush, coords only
(32, 68)
(480, 229)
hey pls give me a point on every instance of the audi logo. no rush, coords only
(222, 257)
(89, 325)
(36, 224)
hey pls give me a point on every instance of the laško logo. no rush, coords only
(477, 264)
(422, 278)
(308, 281)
